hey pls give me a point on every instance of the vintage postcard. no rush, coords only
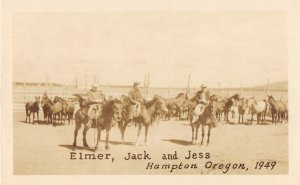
(149, 92)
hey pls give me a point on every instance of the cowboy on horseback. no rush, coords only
(203, 95)
(202, 99)
(135, 97)
(95, 100)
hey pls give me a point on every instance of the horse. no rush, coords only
(54, 109)
(278, 108)
(186, 107)
(110, 116)
(220, 108)
(207, 118)
(145, 117)
(68, 108)
(257, 107)
(242, 108)
(228, 104)
(32, 107)
(173, 104)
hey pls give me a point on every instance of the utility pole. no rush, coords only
(267, 87)
(219, 89)
(85, 81)
(241, 89)
(148, 84)
(188, 85)
(145, 84)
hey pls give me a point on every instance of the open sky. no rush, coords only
(121, 47)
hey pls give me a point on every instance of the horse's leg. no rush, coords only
(242, 118)
(86, 128)
(197, 128)
(37, 114)
(202, 125)
(208, 134)
(193, 131)
(257, 116)
(26, 111)
(146, 135)
(239, 118)
(77, 127)
(138, 134)
(98, 140)
(251, 118)
(32, 117)
(123, 130)
(29, 116)
(107, 139)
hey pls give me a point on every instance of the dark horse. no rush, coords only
(68, 108)
(145, 118)
(228, 104)
(32, 107)
(207, 118)
(278, 109)
(110, 116)
(51, 109)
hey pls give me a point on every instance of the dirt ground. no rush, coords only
(42, 149)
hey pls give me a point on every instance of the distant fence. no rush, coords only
(23, 94)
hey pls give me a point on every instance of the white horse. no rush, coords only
(257, 107)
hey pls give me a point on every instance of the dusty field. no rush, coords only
(44, 149)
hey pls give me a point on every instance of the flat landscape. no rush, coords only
(44, 149)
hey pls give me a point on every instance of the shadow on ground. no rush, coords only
(178, 142)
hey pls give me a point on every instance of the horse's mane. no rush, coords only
(60, 98)
(236, 96)
(151, 102)
(47, 100)
(109, 106)
(179, 95)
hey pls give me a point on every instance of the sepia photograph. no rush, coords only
(150, 93)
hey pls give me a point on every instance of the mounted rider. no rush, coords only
(135, 97)
(202, 98)
(95, 100)
(203, 95)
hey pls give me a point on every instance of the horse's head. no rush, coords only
(271, 98)
(56, 99)
(117, 109)
(212, 108)
(82, 102)
(38, 100)
(160, 104)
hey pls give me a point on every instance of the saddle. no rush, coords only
(94, 111)
(198, 111)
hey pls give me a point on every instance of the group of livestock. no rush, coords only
(115, 112)
(235, 105)
(54, 111)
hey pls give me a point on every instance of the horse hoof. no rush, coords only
(146, 144)
(123, 141)
(107, 147)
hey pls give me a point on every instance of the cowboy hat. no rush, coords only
(136, 83)
(94, 86)
(203, 86)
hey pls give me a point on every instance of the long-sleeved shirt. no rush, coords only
(94, 96)
(135, 95)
